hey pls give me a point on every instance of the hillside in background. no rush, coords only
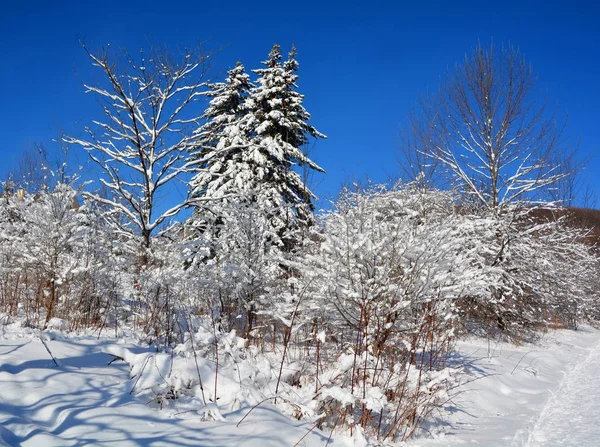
(581, 218)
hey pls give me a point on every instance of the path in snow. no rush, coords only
(572, 416)
(507, 397)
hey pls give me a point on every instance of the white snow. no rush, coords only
(572, 415)
(85, 401)
(542, 394)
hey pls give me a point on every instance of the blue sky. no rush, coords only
(362, 64)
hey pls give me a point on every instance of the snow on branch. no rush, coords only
(147, 129)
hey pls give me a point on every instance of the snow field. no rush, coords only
(508, 398)
(542, 394)
(572, 415)
(85, 401)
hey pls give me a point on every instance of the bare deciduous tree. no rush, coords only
(142, 142)
(31, 167)
(487, 131)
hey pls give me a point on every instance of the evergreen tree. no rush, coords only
(278, 129)
(252, 145)
(251, 197)
(221, 140)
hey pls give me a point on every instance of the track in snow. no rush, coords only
(572, 416)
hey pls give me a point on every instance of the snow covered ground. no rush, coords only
(547, 394)
(572, 416)
(530, 395)
(84, 401)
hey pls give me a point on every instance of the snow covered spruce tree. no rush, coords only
(221, 137)
(279, 129)
(247, 163)
(254, 146)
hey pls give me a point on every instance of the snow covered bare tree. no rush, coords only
(142, 142)
(488, 130)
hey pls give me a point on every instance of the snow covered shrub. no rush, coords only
(162, 292)
(50, 256)
(239, 251)
(393, 264)
(208, 371)
(541, 272)
(11, 275)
